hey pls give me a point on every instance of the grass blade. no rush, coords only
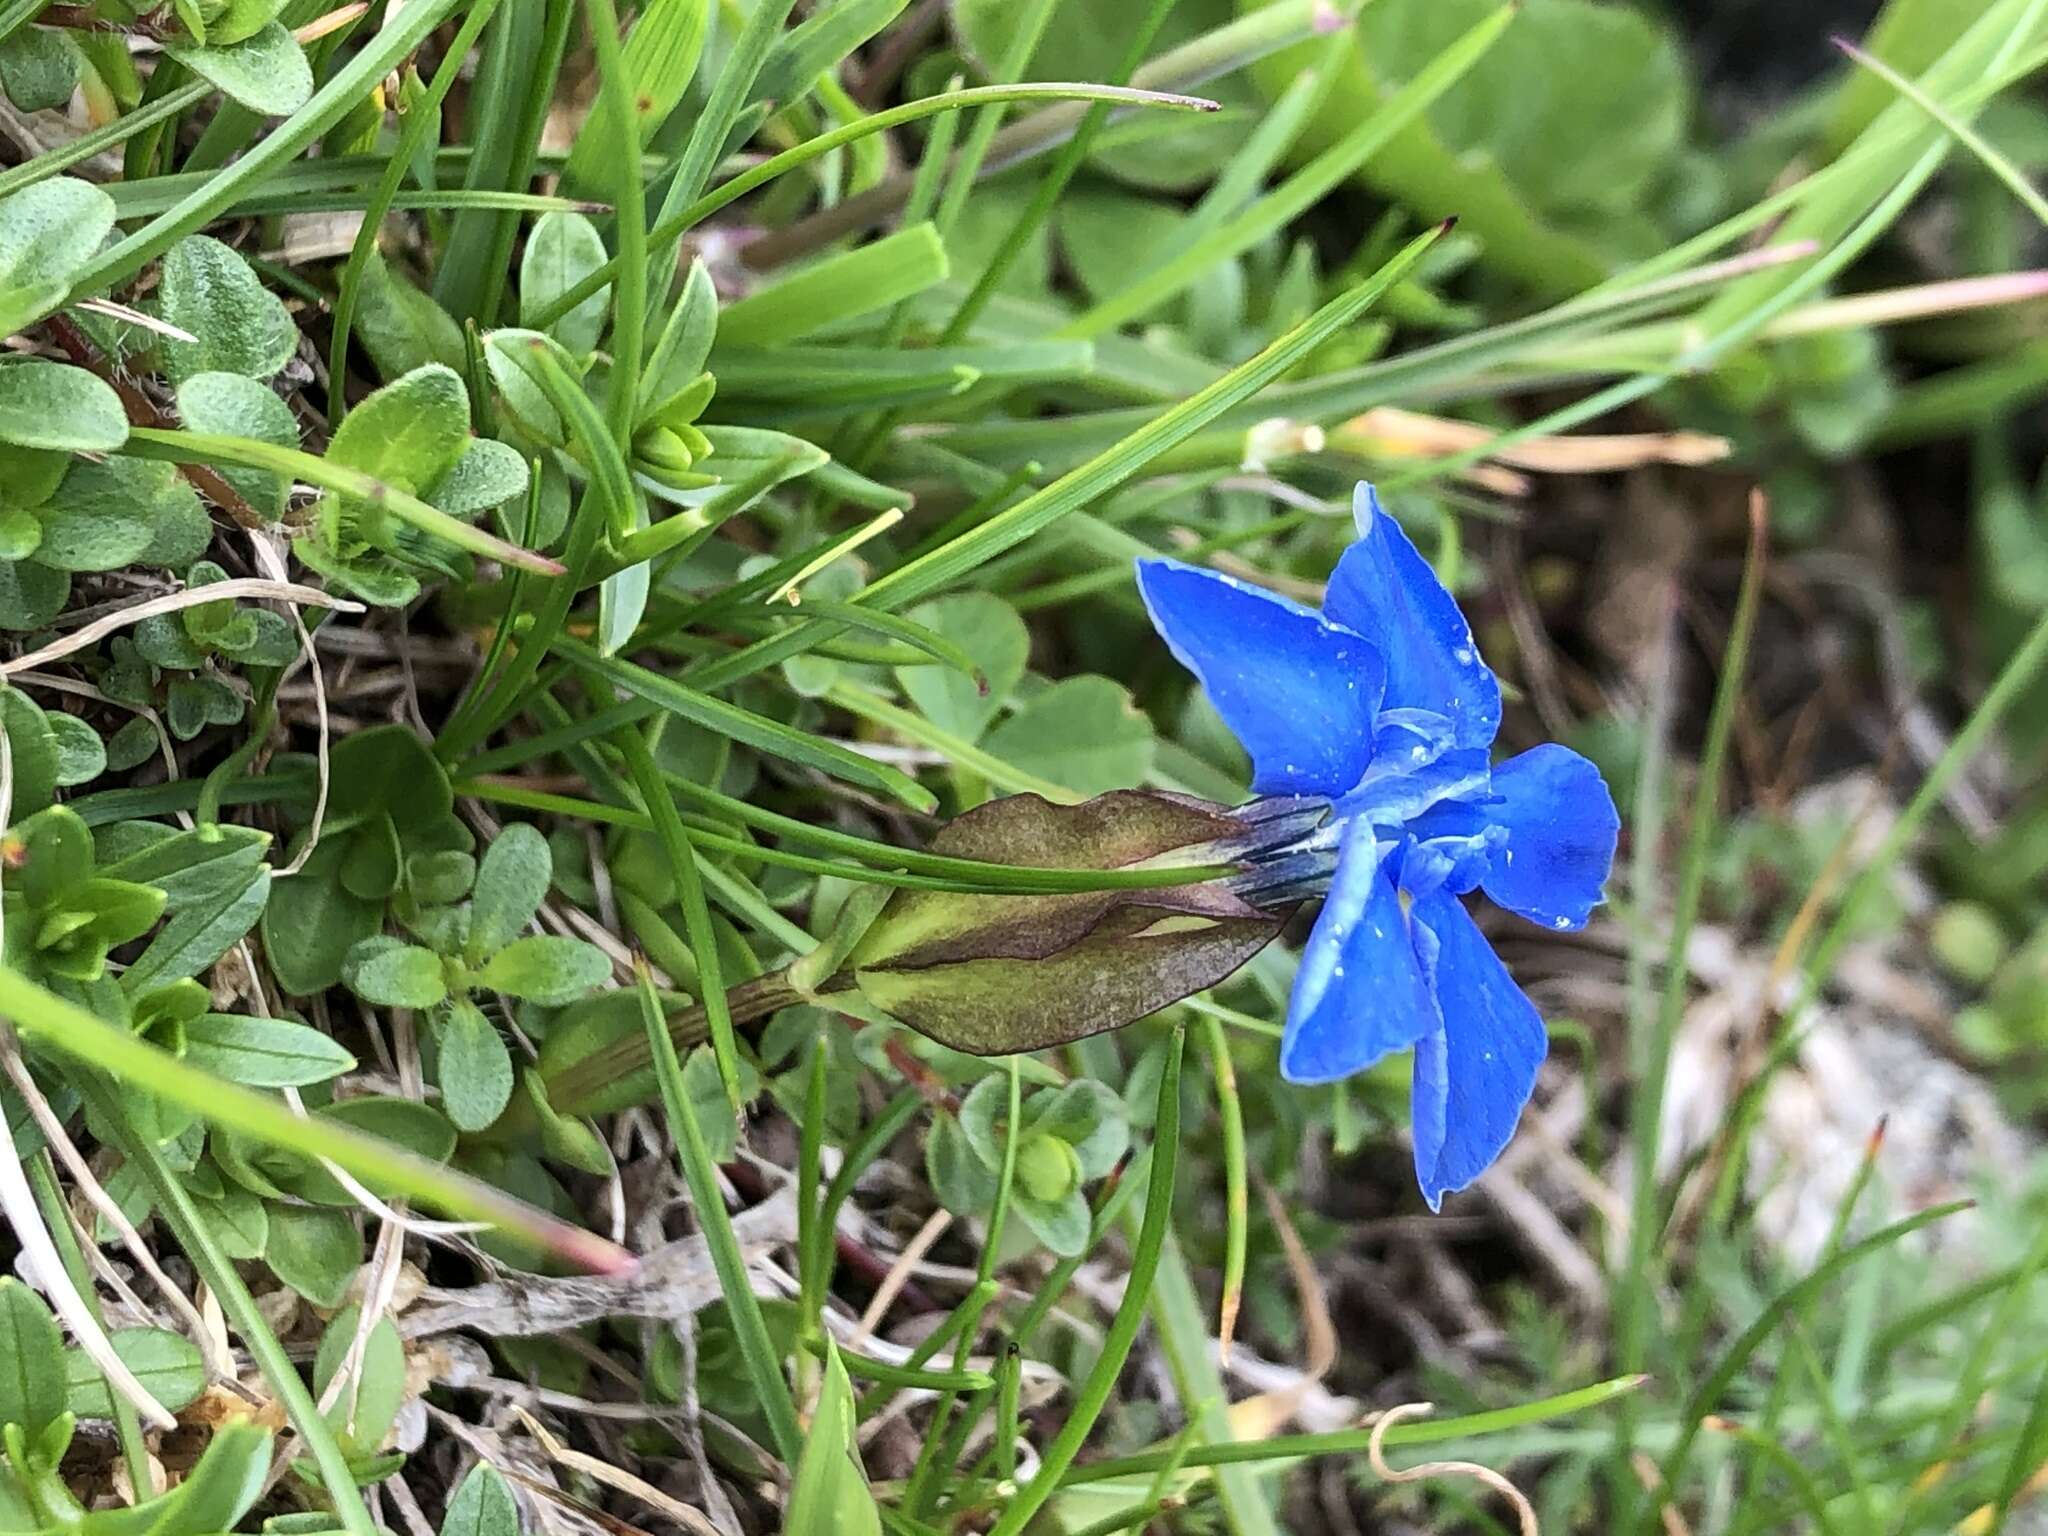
(771, 1388)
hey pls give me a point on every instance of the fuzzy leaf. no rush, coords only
(39, 68)
(481, 1505)
(401, 327)
(232, 405)
(49, 233)
(474, 1068)
(241, 326)
(512, 881)
(395, 975)
(409, 433)
(51, 405)
(549, 969)
(266, 72)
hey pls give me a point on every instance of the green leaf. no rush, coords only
(1088, 1116)
(239, 1222)
(961, 1180)
(473, 1068)
(186, 866)
(488, 474)
(81, 755)
(395, 975)
(234, 405)
(563, 249)
(549, 969)
(704, 1089)
(223, 1486)
(313, 921)
(512, 881)
(167, 1364)
(1082, 733)
(263, 1053)
(314, 1251)
(20, 533)
(830, 1492)
(388, 769)
(119, 512)
(242, 327)
(55, 853)
(409, 433)
(678, 357)
(267, 72)
(565, 1138)
(400, 326)
(481, 1505)
(33, 745)
(989, 631)
(1542, 150)
(95, 521)
(30, 595)
(367, 1406)
(32, 1374)
(234, 20)
(39, 68)
(199, 934)
(1062, 1224)
(49, 233)
(51, 405)
(981, 1119)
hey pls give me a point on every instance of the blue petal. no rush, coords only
(1361, 992)
(1299, 692)
(1473, 1076)
(1386, 591)
(1448, 863)
(1561, 826)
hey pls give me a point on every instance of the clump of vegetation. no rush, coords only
(618, 903)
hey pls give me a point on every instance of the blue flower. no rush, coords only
(1380, 706)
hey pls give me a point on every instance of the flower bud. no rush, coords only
(992, 974)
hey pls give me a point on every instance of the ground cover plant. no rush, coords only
(1022, 765)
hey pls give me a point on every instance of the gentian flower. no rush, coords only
(1372, 721)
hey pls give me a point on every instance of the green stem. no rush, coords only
(742, 1308)
(176, 1209)
(682, 859)
(1123, 1329)
(106, 136)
